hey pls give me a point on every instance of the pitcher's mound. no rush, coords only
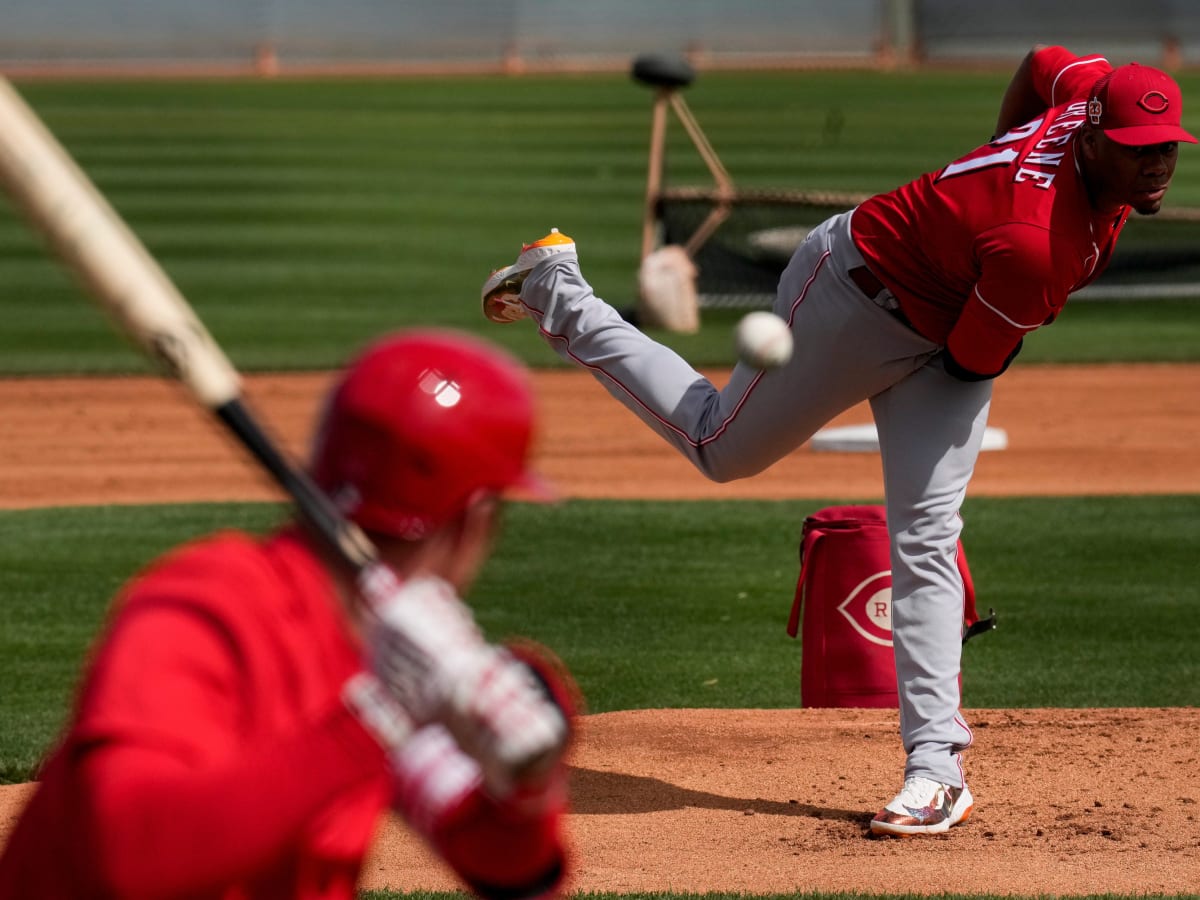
(1067, 802)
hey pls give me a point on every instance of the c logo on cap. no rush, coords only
(1154, 101)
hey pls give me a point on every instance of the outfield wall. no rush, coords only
(278, 36)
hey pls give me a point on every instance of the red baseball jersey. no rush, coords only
(210, 754)
(987, 249)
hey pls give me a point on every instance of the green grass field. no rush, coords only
(658, 615)
(303, 218)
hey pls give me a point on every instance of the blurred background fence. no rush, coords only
(270, 37)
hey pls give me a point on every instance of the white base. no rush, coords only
(864, 439)
(781, 241)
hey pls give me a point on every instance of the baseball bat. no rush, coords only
(119, 273)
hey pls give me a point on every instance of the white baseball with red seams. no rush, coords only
(763, 340)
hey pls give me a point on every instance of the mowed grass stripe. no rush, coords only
(681, 604)
(302, 218)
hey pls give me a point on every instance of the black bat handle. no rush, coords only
(345, 538)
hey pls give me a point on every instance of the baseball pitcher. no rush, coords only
(914, 301)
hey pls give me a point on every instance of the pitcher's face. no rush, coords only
(1123, 175)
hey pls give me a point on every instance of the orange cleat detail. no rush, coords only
(502, 291)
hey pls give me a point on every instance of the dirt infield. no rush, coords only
(1071, 430)
(1069, 801)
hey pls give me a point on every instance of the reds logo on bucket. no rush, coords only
(868, 608)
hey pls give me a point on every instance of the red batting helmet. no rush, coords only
(421, 423)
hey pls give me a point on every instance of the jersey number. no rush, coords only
(986, 157)
(975, 163)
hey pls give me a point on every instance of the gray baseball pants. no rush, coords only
(848, 348)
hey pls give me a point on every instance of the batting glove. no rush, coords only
(424, 645)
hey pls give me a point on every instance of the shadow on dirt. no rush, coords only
(595, 793)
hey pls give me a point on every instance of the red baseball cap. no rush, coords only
(421, 423)
(1137, 106)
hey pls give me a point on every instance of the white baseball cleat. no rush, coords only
(502, 290)
(923, 806)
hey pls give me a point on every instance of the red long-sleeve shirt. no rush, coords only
(987, 249)
(209, 754)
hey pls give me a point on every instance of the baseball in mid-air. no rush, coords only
(763, 340)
